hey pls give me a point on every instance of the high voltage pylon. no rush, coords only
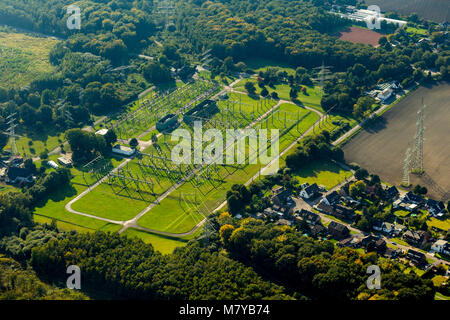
(11, 132)
(417, 160)
(406, 168)
(322, 75)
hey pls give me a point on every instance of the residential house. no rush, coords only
(416, 238)
(338, 230)
(435, 208)
(391, 193)
(414, 198)
(310, 191)
(417, 258)
(388, 228)
(273, 213)
(377, 225)
(283, 197)
(284, 222)
(318, 229)
(338, 211)
(352, 242)
(331, 198)
(392, 253)
(18, 175)
(380, 246)
(439, 246)
(343, 212)
(345, 190)
(367, 239)
(310, 217)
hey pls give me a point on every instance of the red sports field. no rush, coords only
(359, 35)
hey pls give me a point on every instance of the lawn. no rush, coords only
(311, 97)
(163, 244)
(34, 145)
(323, 173)
(103, 203)
(402, 213)
(23, 58)
(54, 208)
(438, 223)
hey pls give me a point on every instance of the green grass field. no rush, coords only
(23, 58)
(438, 223)
(327, 174)
(311, 97)
(34, 145)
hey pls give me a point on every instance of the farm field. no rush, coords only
(360, 35)
(23, 58)
(381, 148)
(435, 10)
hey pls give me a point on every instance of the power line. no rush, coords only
(417, 160)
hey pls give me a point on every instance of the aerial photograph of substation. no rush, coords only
(255, 151)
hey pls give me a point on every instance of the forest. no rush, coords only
(98, 73)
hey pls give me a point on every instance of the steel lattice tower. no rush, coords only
(417, 160)
(11, 132)
(322, 75)
(406, 167)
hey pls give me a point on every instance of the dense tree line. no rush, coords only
(16, 207)
(128, 268)
(300, 33)
(317, 269)
(313, 148)
(17, 283)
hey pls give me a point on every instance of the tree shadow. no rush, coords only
(59, 195)
(375, 125)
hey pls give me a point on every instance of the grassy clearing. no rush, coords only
(34, 145)
(311, 97)
(163, 244)
(23, 58)
(440, 224)
(323, 173)
(54, 208)
(402, 213)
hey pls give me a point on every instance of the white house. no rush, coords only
(388, 227)
(439, 246)
(309, 191)
(331, 199)
(385, 94)
(52, 164)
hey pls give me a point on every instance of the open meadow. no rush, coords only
(23, 58)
